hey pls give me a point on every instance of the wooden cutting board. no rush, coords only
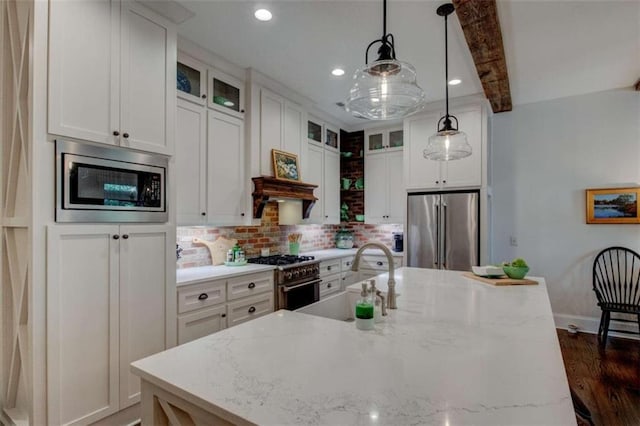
(499, 281)
(217, 248)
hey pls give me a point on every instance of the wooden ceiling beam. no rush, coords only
(481, 27)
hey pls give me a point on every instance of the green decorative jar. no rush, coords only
(344, 239)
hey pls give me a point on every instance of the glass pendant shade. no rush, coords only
(385, 90)
(447, 145)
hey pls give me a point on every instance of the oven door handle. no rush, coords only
(288, 289)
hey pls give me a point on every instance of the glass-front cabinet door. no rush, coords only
(395, 140)
(332, 138)
(191, 79)
(226, 93)
(374, 141)
(314, 131)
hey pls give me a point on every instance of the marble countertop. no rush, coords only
(334, 253)
(455, 352)
(186, 276)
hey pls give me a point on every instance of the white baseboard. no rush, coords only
(590, 325)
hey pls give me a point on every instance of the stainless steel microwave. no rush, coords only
(109, 184)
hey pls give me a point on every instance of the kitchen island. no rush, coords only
(456, 351)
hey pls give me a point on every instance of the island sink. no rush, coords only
(338, 307)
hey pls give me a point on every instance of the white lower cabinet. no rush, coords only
(372, 265)
(107, 288)
(208, 307)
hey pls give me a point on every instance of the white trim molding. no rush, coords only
(590, 325)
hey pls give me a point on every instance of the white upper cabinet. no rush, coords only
(191, 79)
(384, 195)
(314, 174)
(331, 187)
(112, 74)
(281, 128)
(421, 173)
(225, 93)
(225, 180)
(191, 163)
(331, 138)
(84, 70)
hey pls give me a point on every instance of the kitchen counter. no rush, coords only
(456, 351)
(186, 276)
(334, 253)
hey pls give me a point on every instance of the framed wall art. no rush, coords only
(613, 205)
(285, 165)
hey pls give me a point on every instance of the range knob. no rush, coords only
(288, 275)
(296, 273)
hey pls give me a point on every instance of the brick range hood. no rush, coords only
(267, 188)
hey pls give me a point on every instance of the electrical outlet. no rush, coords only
(513, 241)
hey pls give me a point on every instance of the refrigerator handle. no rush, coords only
(444, 239)
(437, 251)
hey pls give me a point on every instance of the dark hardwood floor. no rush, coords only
(607, 381)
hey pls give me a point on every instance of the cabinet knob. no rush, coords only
(223, 315)
(379, 263)
(116, 133)
(204, 96)
(116, 237)
(326, 217)
(125, 135)
(252, 309)
(444, 181)
(252, 285)
(437, 181)
(203, 296)
(125, 237)
(242, 111)
(242, 214)
(203, 213)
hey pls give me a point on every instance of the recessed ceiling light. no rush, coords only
(454, 82)
(263, 15)
(337, 72)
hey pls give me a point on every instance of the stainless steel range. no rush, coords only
(297, 279)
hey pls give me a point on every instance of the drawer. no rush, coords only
(349, 277)
(329, 285)
(249, 308)
(195, 325)
(248, 285)
(196, 296)
(379, 262)
(328, 267)
(346, 263)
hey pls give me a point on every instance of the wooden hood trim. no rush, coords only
(267, 188)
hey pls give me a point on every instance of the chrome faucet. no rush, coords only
(391, 294)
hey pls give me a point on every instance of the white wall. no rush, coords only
(544, 156)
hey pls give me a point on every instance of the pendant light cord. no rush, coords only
(384, 19)
(446, 65)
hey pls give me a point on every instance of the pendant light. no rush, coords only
(448, 143)
(385, 89)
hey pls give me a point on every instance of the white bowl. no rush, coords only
(488, 271)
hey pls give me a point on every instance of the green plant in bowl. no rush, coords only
(516, 269)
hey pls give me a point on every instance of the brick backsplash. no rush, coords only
(274, 237)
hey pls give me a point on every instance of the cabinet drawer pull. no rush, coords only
(125, 236)
(223, 315)
(242, 214)
(116, 237)
(252, 309)
(125, 135)
(379, 263)
(204, 96)
(328, 268)
(116, 133)
(329, 285)
(252, 285)
(203, 296)
(203, 214)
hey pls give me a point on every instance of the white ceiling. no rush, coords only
(553, 49)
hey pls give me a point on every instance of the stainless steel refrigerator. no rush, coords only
(443, 230)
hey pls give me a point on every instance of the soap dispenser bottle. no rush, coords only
(376, 301)
(364, 310)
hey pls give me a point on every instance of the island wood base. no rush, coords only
(161, 408)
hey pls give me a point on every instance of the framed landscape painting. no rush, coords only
(285, 165)
(613, 205)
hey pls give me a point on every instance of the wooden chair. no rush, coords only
(616, 282)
